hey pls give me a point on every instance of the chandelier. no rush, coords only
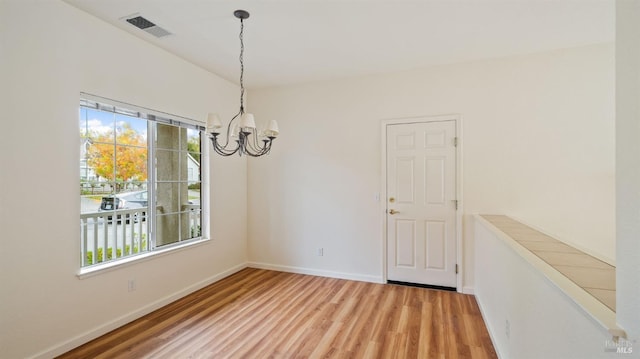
(244, 133)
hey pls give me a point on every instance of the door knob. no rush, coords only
(393, 211)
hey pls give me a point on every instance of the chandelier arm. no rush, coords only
(248, 147)
(256, 140)
(253, 145)
(257, 154)
(267, 147)
(225, 154)
(249, 150)
(229, 130)
(263, 150)
(223, 151)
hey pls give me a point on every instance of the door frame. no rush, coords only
(383, 187)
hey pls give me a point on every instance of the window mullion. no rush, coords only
(114, 191)
(151, 182)
(180, 200)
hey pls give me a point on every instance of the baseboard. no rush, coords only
(467, 290)
(317, 272)
(492, 334)
(127, 318)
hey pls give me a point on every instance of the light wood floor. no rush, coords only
(265, 314)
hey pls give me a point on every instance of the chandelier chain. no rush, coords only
(241, 66)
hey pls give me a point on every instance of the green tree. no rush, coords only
(193, 147)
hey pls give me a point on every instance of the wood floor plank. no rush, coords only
(266, 314)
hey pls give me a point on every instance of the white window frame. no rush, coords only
(105, 104)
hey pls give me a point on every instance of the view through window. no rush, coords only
(140, 180)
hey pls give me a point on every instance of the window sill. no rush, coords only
(107, 267)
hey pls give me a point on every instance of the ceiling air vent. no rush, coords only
(146, 25)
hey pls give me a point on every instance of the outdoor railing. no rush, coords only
(106, 236)
(194, 219)
(110, 235)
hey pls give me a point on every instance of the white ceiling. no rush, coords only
(295, 41)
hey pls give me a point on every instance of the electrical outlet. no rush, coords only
(320, 252)
(507, 328)
(131, 285)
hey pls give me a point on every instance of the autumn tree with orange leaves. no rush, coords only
(121, 158)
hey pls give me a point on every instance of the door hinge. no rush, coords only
(455, 141)
(455, 201)
(456, 269)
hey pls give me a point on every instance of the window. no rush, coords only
(140, 180)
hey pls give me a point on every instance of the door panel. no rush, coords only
(421, 183)
(435, 139)
(406, 141)
(405, 175)
(435, 244)
(406, 243)
(435, 180)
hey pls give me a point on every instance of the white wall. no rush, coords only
(628, 166)
(538, 144)
(543, 321)
(50, 53)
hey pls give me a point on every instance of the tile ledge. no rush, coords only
(592, 306)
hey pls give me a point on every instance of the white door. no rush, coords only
(421, 206)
